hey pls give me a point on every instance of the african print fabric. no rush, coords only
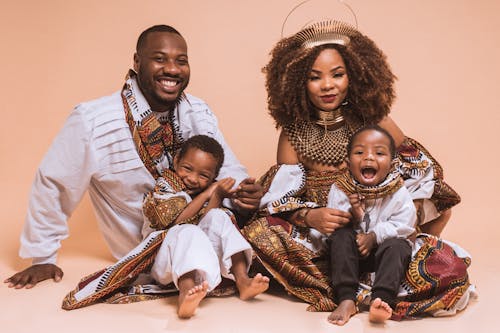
(391, 184)
(156, 142)
(128, 280)
(443, 197)
(124, 281)
(103, 284)
(436, 282)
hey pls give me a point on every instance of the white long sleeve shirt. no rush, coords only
(95, 151)
(392, 216)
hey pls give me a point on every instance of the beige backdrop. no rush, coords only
(58, 53)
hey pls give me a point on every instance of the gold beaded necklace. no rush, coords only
(329, 118)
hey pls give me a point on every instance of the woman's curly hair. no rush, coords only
(370, 92)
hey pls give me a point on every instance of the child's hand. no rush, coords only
(358, 206)
(224, 188)
(366, 242)
(210, 190)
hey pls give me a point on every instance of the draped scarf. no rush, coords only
(156, 142)
(390, 185)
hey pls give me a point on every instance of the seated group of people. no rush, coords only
(343, 221)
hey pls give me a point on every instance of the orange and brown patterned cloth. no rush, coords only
(436, 282)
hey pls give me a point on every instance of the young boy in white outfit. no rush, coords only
(191, 196)
(384, 217)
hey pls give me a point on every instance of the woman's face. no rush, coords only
(328, 82)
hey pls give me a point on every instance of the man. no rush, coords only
(115, 147)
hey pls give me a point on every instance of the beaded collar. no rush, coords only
(390, 185)
(319, 144)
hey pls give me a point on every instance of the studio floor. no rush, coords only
(26, 311)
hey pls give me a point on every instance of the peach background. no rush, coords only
(57, 53)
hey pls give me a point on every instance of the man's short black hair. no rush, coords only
(206, 144)
(155, 28)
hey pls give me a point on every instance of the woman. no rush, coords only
(323, 83)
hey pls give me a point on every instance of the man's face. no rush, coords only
(162, 69)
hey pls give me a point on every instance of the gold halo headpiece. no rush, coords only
(326, 32)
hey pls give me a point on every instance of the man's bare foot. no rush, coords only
(341, 315)
(251, 287)
(189, 301)
(380, 311)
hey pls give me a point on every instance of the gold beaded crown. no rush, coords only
(326, 32)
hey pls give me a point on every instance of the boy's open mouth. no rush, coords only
(368, 172)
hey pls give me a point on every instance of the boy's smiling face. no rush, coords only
(370, 157)
(197, 169)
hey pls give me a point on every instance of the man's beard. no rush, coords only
(169, 104)
(158, 100)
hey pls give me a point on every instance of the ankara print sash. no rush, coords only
(390, 185)
(156, 142)
(444, 196)
(114, 279)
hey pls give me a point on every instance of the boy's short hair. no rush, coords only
(392, 144)
(206, 144)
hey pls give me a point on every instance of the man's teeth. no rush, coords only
(168, 83)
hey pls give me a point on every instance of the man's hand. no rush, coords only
(248, 195)
(34, 274)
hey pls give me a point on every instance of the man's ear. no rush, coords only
(136, 62)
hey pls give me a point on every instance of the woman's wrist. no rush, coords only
(301, 217)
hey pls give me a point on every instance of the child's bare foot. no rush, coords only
(380, 311)
(251, 287)
(189, 301)
(341, 315)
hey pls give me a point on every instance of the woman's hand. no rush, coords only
(327, 220)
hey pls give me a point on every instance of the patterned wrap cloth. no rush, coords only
(128, 280)
(436, 282)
